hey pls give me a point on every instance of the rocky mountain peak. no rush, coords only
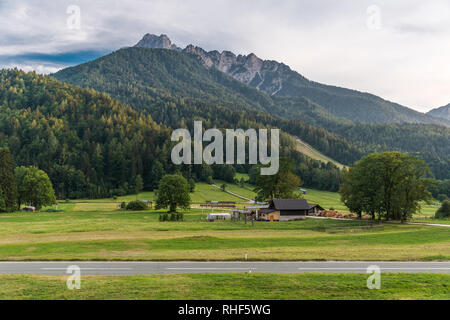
(268, 76)
(151, 41)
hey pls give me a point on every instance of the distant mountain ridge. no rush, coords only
(442, 112)
(278, 79)
(175, 88)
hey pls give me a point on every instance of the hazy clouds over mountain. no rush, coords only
(401, 56)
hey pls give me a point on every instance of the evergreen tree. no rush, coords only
(8, 188)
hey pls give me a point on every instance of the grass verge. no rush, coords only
(228, 286)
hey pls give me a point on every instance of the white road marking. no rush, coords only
(83, 268)
(383, 268)
(210, 268)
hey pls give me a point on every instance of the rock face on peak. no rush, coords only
(267, 76)
(442, 112)
(151, 41)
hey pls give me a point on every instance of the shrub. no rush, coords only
(52, 211)
(172, 217)
(441, 197)
(123, 205)
(136, 206)
(444, 211)
(163, 217)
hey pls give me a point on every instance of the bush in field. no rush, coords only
(123, 205)
(136, 206)
(444, 211)
(172, 217)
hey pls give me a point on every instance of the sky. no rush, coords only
(398, 50)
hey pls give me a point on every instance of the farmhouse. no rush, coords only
(288, 207)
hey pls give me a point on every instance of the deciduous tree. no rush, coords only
(34, 187)
(173, 192)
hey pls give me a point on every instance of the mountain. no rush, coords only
(442, 112)
(92, 145)
(278, 79)
(176, 88)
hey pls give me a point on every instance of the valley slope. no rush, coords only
(176, 87)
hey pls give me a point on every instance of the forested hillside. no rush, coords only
(93, 146)
(175, 88)
(442, 112)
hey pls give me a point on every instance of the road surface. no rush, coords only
(141, 268)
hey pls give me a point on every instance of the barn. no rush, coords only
(288, 207)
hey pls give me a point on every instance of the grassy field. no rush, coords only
(309, 151)
(97, 230)
(202, 193)
(121, 235)
(229, 287)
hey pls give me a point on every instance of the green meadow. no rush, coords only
(112, 234)
(98, 230)
(229, 287)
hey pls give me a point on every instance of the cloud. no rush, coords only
(405, 60)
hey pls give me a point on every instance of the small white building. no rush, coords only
(219, 216)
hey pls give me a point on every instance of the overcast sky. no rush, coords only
(398, 49)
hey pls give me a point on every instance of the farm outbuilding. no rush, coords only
(291, 207)
(269, 215)
(218, 216)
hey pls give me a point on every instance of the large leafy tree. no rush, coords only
(390, 184)
(8, 188)
(280, 185)
(173, 192)
(413, 187)
(34, 187)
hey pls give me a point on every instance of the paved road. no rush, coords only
(138, 268)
